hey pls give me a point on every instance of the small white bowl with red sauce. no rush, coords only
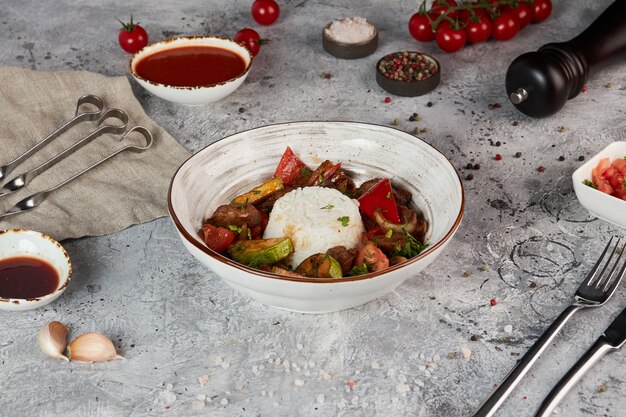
(193, 70)
(34, 269)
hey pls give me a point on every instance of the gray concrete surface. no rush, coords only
(179, 326)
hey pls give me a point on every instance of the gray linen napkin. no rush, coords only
(129, 189)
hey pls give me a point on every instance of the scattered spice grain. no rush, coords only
(541, 168)
(518, 154)
(469, 177)
(326, 74)
(387, 99)
(429, 104)
(241, 110)
(581, 158)
(476, 166)
(601, 388)
(561, 158)
(493, 302)
(498, 157)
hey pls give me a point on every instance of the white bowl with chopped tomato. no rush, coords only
(600, 184)
(233, 169)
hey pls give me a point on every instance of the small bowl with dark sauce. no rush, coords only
(194, 70)
(34, 269)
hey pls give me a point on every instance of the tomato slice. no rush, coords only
(375, 231)
(289, 167)
(217, 238)
(380, 198)
(323, 172)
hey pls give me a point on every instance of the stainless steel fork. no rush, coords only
(595, 291)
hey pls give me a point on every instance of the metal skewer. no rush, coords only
(35, 200)
(78, 117)
(24, 179)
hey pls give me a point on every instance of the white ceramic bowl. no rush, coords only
(18, 242)
(192, 95)
(235, 164)
(601, 205)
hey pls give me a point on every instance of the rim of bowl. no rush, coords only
(142, 51)
(427, 56)
(264, 274)
(331, 40)
(60, 289)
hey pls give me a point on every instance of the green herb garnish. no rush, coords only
(389, 233)
(327, 207)
(411, 248)
(234, 228)
(344, 220)
(389, 195)
(358, 270)
(590, 184)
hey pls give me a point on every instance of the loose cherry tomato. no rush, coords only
(265, 12)
(479, 29)
(439, 7)
(132, 37)
(505, 27)
(542, 9)
(250, 39)
(421, 28)
(523, 13)
(450, 39)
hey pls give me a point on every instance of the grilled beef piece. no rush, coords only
(344, 256)
(240, 216)
(365, 187)
(389, 244)
(403, 197)
(268, 204)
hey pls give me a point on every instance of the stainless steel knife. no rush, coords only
(614, 338)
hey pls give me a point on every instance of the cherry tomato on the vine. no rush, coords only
(265, 12)
(250, 39)
(450, 39)
(523, 13)
(478, 30)
(505, 27)
(542, 9)
(439, 7)
(421, 28)
(466, 14)
(132, 37)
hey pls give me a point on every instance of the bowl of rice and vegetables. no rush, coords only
(316, 216)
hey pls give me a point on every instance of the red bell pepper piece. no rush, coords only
(289, 167)
(217, 238)
(380, 198)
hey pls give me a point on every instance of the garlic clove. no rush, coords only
(52, 339)
(92, 347)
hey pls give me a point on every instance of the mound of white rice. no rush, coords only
(314, 218)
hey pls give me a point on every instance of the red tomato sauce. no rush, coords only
(191, 66)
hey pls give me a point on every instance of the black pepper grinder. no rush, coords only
(539, 83)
